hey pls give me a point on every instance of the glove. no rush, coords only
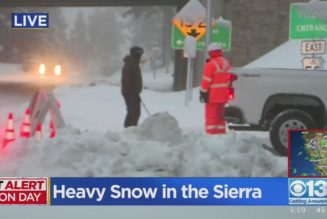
(232, 77)
(204, 96)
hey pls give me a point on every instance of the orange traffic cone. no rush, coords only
(38, 132)
(25, 131)
(10, 132)
(52, 129)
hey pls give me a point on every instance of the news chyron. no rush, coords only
(24, 191)
(307, 167)
(30, 20)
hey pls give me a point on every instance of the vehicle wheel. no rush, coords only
(288, 120)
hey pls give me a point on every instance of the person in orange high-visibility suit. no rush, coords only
(216, 89)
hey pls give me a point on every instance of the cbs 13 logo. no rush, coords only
(308, 188)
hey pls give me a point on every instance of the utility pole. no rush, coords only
(208, 21)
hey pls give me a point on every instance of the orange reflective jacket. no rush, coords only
(216, 80)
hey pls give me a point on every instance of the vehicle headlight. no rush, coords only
(42, 69)
(57, 70)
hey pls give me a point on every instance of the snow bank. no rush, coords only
(155, 148)
(6, 68)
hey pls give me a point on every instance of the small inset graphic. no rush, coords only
(308, 153)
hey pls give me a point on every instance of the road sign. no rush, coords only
(221, 33)
(313, 63)
(314, 47)
(304, 25)
(190, 21)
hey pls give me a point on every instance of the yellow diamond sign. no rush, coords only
(191, 20)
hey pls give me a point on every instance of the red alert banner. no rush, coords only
(23, 191)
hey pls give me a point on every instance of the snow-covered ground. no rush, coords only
(172, 142)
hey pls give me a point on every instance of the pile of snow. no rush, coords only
(155, 148)
(160, 127)
(286, 56)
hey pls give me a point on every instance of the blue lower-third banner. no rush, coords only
(169, 191)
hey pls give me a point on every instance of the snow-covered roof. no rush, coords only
(223, 22)
(287, 56)
(314, 7)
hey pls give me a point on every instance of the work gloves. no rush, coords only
(232, 77)
(204, 97)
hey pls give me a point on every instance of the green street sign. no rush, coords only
(221, 33)
(303, 26)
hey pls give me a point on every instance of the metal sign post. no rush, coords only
(208, 20)
(189, 53)
(42, 102)
(188, 87)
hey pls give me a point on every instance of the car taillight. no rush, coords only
(57, 70)
(231, 93)
(42, 69)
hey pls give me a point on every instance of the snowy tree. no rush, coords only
(54, 39)
(146, 25)
(152, 28)
(15, 43)
(106, 37)
(18, 44)
(79, 41)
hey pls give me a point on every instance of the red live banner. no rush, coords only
(24, 191)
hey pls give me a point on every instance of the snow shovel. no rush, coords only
(144, 106)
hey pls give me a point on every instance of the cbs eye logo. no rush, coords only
(308, 188)
(298, 188)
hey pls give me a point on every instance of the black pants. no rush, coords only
(133, 104)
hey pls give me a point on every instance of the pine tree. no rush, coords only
(106, 37)
(79, 42)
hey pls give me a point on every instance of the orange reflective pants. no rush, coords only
(215, 121)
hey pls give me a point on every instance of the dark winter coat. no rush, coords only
(131, 76)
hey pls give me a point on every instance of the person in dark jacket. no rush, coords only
(132, 85)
